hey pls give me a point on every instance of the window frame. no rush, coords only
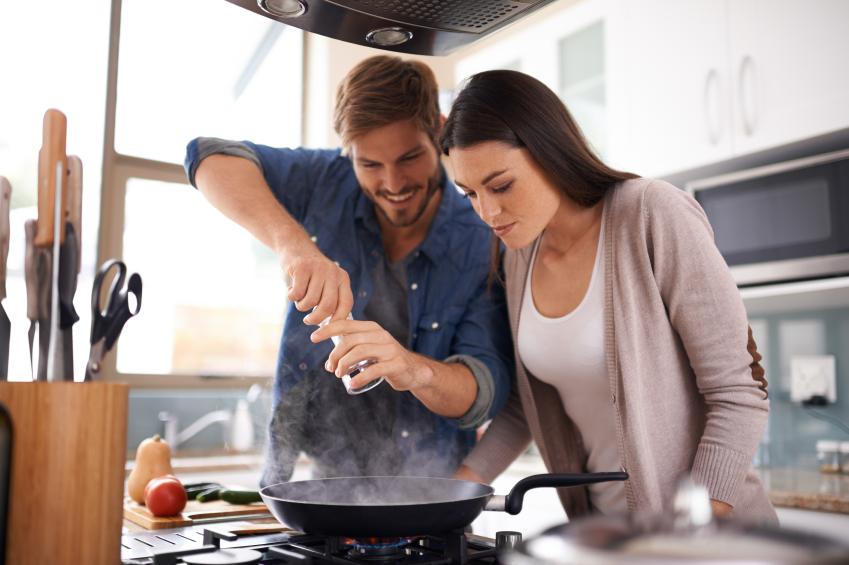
(118, 169)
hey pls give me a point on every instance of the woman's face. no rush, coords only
(508, 190)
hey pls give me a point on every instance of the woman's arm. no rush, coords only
(707, 312)
(505, 439)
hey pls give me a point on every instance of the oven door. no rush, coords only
(782, 222)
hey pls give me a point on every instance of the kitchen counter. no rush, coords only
(807, 489)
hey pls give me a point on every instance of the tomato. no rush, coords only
(165, 496)
(170, 477)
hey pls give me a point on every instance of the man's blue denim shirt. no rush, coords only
(453, 309)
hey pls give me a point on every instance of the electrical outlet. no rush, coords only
(813, 375)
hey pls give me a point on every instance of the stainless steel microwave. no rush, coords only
(783, 222)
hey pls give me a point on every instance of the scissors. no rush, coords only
(108, 321)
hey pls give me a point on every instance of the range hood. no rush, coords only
(423, 27)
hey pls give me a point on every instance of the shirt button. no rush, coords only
(415, 335)
(302, 366)
(313, 238)
(435, 325)
(405, 434)
(614, 399)
(417, 253)
(414, 286)
(363, 294)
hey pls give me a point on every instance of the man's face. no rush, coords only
(397, 167)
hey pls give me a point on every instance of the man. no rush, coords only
(378, 231)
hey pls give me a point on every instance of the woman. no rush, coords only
(632, 344)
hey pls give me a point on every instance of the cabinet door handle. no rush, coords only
(746, 89)
(711, 102)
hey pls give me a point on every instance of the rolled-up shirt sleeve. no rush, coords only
(292, 175)
(202, 147)
(482, 343)
(479, 412)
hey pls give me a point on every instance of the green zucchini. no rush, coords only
(210, 494)
(195, 486)
(240, 496)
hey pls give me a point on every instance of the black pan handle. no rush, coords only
(512, 503)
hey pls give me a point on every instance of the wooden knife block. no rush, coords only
(66, 492)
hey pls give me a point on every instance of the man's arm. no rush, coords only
(236, 187)
(448, 389)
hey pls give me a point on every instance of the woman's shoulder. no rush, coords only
(649, 196)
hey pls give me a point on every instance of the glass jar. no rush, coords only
(844, 457)
(828, 456)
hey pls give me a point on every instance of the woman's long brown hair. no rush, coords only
(519, 110)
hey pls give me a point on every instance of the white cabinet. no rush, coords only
(789, 69)
(568, 51)
(662, 86)
(712, 79)
(678, 87)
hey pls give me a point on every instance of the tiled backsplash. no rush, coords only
(790, 440)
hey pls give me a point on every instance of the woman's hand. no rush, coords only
(466, 474)
(720, 509)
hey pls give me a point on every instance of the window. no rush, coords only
(214, 298)
(195, 67)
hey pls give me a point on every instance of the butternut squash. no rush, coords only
(153, 459)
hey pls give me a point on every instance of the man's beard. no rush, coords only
(432, 187)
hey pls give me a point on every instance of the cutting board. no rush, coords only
(138, 514)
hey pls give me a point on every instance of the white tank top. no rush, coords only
(568, 353)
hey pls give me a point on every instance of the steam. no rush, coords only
(377, 491)
(352, 436)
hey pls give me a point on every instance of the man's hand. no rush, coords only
(361, 340)
(320, 285)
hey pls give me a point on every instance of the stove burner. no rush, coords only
(224, 557)
(375, 548)
(295, 548)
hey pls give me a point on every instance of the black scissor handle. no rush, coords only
(108, 321)
(117, 283)
(122, 312)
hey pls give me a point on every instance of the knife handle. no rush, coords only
(5, 204)
(52, 151)
(30, 271)
(75, 201)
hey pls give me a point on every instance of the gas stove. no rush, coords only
(214, 544)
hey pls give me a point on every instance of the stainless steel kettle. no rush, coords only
(687, 534)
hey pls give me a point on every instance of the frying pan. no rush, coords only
(401, 506)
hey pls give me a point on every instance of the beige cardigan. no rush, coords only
(681, 377)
